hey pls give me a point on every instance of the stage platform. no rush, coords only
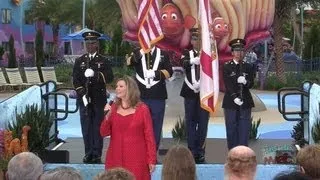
(216, 149)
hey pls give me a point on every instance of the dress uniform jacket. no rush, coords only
(186, 91)
(97, 84)
(162, 72)
(231, 72)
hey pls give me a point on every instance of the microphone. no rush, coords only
(112, 98)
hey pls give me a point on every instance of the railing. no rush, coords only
(50, 95)
(299, 66)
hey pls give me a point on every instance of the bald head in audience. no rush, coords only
(241, 164)
(308, 158)
(26, 166)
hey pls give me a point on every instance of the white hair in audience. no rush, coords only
(61, 173)
(26, 166)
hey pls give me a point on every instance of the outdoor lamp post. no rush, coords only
(83, 14)
(303, 8)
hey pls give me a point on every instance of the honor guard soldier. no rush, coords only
(152, 70)
(238, 77)
(91, 73)
(196, 117)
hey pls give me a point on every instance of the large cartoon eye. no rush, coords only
(226, 26)
(174, 16)
(164, 16)
(218, 26)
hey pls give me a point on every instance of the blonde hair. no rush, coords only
(179, 164)
(115, 174)
(133, 92)
(309, 158)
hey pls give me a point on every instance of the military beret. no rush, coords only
(237, 44)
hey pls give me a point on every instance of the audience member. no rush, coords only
(115, 174)
(308, 159)
(61, 173)
(179, 164)
(292, 176)
(26, 166)
(241, 164)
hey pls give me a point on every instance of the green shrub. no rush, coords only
(64, 74)
(179, 131)
(293, 80)
(40, 122)
(254, 129)
(297, 134)
(315, 131)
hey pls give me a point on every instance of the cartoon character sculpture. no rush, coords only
(14, 146)
(246, 19)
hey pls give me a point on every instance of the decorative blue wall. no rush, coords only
(21, 31)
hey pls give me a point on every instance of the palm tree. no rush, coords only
(56, 12)
(284, 10)
(108, 15)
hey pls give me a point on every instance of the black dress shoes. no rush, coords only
(200, 159)
(87, 159)
(96, 160)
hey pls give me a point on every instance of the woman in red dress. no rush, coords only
(129, 125)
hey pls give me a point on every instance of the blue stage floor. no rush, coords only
(279, 129)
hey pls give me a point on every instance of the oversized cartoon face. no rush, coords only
(172, 22)
(220, 28)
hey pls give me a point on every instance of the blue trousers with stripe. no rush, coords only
(238, 123)
(157, 109)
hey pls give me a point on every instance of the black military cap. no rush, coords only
(237, 44)
(194, 33)
(91, 36)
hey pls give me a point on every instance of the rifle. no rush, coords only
(240, 85)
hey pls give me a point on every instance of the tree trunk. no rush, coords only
(278, 34)
(55, 36)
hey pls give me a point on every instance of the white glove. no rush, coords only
(150, 74)
(196, 87)
(89, 73)
(85, 100)
(195, 60)
(238, 101)
(242, 79)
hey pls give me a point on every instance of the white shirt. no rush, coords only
(91, 56)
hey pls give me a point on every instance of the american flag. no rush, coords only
(149, 24)
(209, 73)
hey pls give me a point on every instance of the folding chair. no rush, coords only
(15, 77)
(32, 75)
(48, 73)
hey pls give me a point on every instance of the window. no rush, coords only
(49, 48)
(26, 19)
(5, 46)
(29, 48)
(67, 48)
(6, 16)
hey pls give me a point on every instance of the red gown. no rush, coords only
(132, 144)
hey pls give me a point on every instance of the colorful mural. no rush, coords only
(13, 23)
